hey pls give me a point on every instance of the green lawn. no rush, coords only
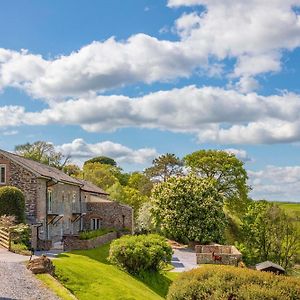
(88, 275)
(56, 287)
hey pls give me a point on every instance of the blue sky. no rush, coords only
(134, 79)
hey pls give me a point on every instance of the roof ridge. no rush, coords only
(38, 167)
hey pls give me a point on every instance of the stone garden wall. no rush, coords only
(229, 254)
(72, 242)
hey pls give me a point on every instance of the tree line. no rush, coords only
(203, 197)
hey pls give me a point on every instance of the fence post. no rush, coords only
(9, 240)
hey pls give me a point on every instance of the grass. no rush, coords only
(292, 209)
(88, 275)
(55, 286)
(20, 249)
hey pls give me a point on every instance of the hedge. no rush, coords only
(12, 202)
(140, 253)
(224, 282)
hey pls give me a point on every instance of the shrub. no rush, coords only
(86, 235)
(20, 234)
(140, 253)
(224, 282)
(12, 202)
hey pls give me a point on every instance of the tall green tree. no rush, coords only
(43, 152)
(189, 209)
(164, 167)
(227, 170)
(105, 160)
(269, 234)
(127, 195)
(140, 182)
(100, 175)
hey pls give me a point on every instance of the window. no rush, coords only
(62, 202)
(2, 174)
(95, 223)
(50, 198)
(74, 202)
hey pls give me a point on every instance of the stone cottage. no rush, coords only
(57, 204)
(102, 212)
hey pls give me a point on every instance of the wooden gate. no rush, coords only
(5, 238)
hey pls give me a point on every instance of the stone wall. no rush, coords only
(229, 254)
(72, 242)
(112, 215)
(26, 181)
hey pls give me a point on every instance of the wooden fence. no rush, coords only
(5, 238)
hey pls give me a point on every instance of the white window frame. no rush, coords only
(95, 223)
(50, 200)
(2, 166)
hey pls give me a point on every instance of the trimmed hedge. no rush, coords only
(12, 203)
(224, 282)
(140, 253)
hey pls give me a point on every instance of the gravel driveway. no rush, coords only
(16, 282)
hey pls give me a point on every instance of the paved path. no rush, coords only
(184, 260)
(18, 283)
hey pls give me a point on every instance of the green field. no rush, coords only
(293, 209)
(88, 275)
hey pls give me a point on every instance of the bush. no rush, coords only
(20, 234)
(86, 235)
(12, 202)
(140, 253)
(224, 282)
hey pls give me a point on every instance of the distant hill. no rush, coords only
(291, 208)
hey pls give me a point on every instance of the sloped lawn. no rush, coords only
(88, 275)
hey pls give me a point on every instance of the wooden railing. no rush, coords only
(5, 238)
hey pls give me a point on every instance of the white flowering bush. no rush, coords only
(189, 209)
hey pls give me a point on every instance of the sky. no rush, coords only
(136, 79)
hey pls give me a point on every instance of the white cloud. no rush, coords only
(240, 154)
(10, 132)
(80, 151)
(213, 114)
(176, 3)
(254, 33)
(247, 84)
(276, 183)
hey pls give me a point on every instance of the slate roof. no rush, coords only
(90, 187)
(268, 264)
(45, 171)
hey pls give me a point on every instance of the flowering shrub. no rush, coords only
(189, 209)
(224, 282)
(140, 253)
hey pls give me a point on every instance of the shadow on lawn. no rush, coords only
(158, 282)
